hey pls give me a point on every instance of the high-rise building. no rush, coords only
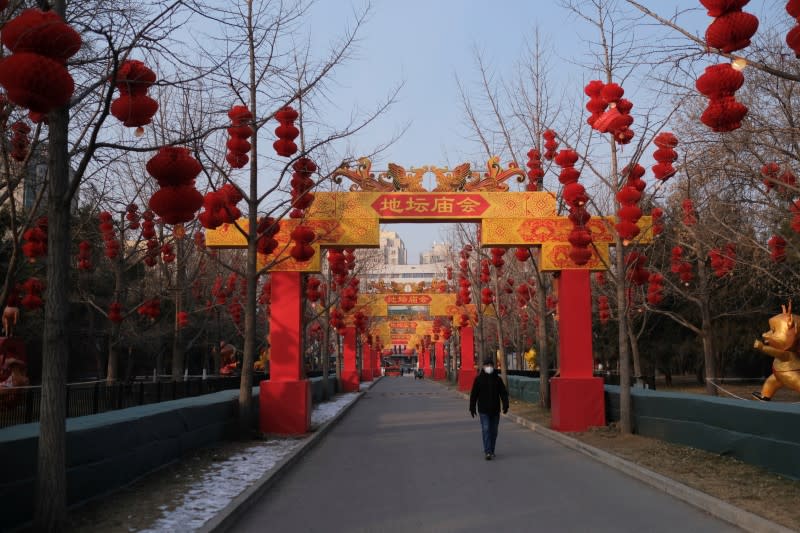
(439, 252)
(393, 248)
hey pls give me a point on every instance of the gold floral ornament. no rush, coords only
(362, 177)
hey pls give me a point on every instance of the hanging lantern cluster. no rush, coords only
(34, 75)
(348, 298)
(524, 293)
(550, 144)
(235, 311)
(628, 197)
(732, 28)
(149, 234)
(784, 181)
(182, 319)
(464, 296)
(85, 256)
(487, 296)
(302, 184)
(723, 261)
(133, 107)
(485, 274)
(793, 36)
(109, 235)
(603, 311)
(219, 207)
(360, 322)
(681, 267)
(574, 194)
(337, 321)
(497, 258)
(265, 296)
(535, 170)
(795, 210)
(175, 170)
(167, 253)
(239, 133)
(665, 155)
(610, 112)
(35, 240)
(302, 250)
(777, 248)
(636, 268)
(132, 216)
(115, 312)
(658, 225)
(719, 84)
(655, 289)
(338, 266)
(150, 309)
(268, 227)
(689, 214)
(286, 132)
(20, 143)
(32, 288)
(313, 294)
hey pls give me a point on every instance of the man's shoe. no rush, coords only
(492, 455)
(758, 396)
(488, 457)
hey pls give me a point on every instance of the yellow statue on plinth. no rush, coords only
(781, 343)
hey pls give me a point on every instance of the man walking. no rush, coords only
(488, 391)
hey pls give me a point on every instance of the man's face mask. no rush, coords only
(488, 369)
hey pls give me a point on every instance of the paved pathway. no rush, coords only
(408, 457)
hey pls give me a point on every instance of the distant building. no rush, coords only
(433, 266)
(438, 253)
(393, 248)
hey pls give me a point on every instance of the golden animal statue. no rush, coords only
(362, 177)
(781, 343)
(402, 180)
(456, 180)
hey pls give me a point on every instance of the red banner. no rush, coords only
(432, 205)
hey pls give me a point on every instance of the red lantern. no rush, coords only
(115, 312)
(731, 31)
(240, 131)
(286, 132)
(535, 171)
(34, 74)
(176, 205)
(689, 216)
(19, 140)
(777, 248)
(665, 155)
(550, 144)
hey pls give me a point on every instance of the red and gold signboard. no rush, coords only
(407, 299)
(430, 205)
(403, 324)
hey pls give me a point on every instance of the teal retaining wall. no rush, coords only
(759, 433)
(109, 450)
(523, 388)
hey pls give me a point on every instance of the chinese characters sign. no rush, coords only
(416, 206)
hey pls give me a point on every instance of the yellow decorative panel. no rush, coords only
(555, 256)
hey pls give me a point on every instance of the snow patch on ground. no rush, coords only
(227, 479)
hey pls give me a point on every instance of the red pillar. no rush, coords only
(285, 399)
(439, 371)
(366, 362)
(577, 398)
(350, 381)
(376, 364)
(428, 361)
(467, 372)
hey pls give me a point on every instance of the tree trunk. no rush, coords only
(541, 335)
(112, 369)
(637, 364)
(51, 481)
(178, 349)
(248, 357)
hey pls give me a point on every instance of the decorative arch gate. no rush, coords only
(507, 219)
